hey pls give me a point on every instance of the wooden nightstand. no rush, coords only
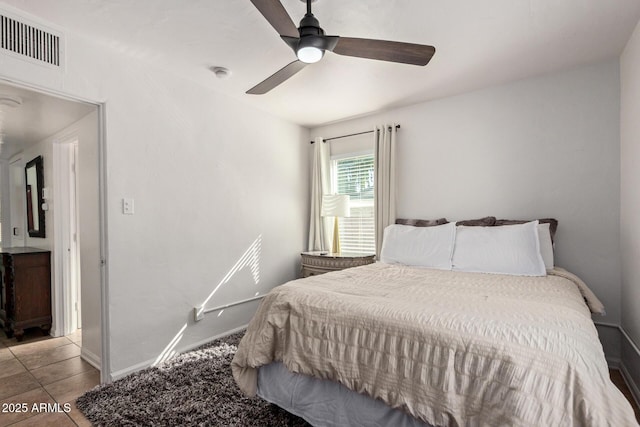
(314, 263)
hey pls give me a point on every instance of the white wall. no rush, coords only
(44, 149)
(210, 177)
(541, 147)
(630, 200)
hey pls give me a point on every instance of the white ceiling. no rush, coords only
(478, 44)
(38, 117)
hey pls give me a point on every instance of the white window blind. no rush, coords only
(354, 176)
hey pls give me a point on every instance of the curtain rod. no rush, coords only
(353, 134)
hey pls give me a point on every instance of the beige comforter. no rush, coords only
(449, 348)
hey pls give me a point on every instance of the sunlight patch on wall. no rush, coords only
(250, 259)
(169, 350)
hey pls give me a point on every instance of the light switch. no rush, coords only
(127, 206)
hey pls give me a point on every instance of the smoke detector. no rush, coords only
(221, 72)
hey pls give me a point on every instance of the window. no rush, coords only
(353, 175)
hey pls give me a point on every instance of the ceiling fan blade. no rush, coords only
(278, 77)
(277, 16)
(383, 50)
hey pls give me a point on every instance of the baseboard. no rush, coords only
(210, 339)
(628, 356)
(91, 358)
(142, 365)
(54, 332)
(116, 375)
(635, 392)
(614, 363)
(611, 338)
(630, 365)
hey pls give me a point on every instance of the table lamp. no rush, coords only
(335, 205)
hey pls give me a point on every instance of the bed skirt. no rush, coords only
(326, 403)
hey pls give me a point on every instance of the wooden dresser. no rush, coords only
(314, 263)
(25, 290)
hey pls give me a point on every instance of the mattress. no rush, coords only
(447, 348)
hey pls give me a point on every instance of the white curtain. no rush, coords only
(319, 227)
(385, 179)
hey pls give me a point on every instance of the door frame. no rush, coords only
(66, 254)
(21, 239)
(105, 362)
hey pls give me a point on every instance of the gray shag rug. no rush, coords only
(191, 389)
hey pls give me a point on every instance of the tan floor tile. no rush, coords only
(30, 335)
(17, 384)
(5, 354)
(61, 370)
(55, 363)
(41, 358)
(55, 419)
(21, 412)
(71, 388)
(75, 336)
(11, 367)
(23, 348)
(78, 417)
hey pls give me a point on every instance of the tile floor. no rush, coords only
(46, 370)
(43, 370)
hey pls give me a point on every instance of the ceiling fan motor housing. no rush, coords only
(309, 25)
(311, 35)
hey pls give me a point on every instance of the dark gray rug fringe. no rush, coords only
(191, 389)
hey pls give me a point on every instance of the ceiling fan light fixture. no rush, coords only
(310, 54)
(310, 48)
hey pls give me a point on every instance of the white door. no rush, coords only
(17, 196)
(67, 251)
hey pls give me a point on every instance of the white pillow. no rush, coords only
(506, 249)
(430, 247)
(546, 245)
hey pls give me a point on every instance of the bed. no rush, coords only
(394, 343)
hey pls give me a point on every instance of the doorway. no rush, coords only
(69, 134)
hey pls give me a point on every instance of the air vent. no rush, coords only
(29, 41)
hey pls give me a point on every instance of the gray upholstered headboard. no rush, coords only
(487, 221)
(422, 222)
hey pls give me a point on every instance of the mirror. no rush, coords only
(34, 184)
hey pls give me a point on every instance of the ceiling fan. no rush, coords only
(309, 43)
